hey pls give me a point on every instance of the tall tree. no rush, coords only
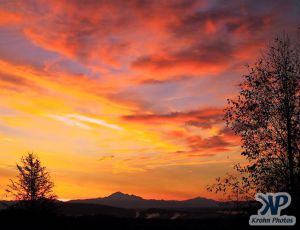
(266, 114)
(33, 183)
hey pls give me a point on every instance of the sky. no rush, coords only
(128, 95)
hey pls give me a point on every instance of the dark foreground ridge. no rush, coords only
(24, 221)
(198, 213)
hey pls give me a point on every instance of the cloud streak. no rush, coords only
(204, 118)
(83, 121)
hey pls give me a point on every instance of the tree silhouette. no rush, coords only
(33, 185)
(266, 114)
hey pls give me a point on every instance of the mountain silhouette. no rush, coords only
(122, 200)
(122, 196)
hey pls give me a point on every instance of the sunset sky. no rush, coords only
(128, 95)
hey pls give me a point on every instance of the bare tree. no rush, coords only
(266, 114)
(33, 183)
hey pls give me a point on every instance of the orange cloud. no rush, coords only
(203, 118)
(9, 18)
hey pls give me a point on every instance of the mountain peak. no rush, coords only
(123, 196)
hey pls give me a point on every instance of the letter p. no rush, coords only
(282, 200)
